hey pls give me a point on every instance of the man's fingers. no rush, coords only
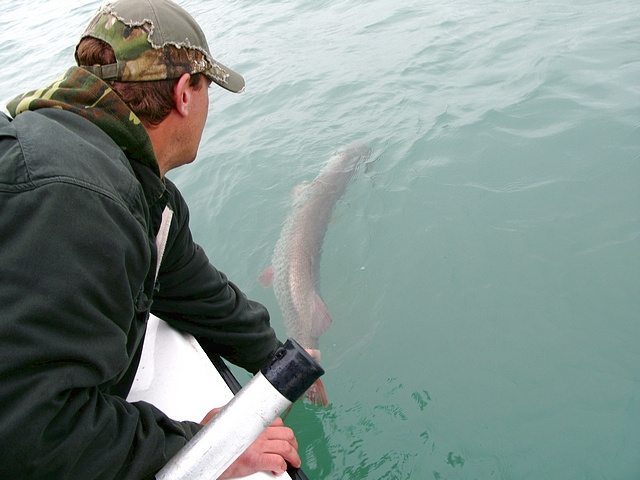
(280, 441)
(316, 354)
(269, 452)
(280, 432)
(210, 415)
(285, 450)
(278, 463)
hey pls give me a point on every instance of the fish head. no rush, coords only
(349, 156)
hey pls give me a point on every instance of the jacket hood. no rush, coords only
(83, 93)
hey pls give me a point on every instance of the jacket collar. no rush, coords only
(85, 94)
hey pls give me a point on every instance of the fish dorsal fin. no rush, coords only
(266, 278)
(321, 317)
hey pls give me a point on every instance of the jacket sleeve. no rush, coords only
(68, 261)
(195, 297)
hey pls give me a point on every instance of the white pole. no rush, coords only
(289, 373)
(228, 434)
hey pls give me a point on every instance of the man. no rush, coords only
(93, 237)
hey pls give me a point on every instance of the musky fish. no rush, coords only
(295, 269)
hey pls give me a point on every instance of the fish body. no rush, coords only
(296, 258)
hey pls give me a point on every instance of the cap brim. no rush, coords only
(225, 77)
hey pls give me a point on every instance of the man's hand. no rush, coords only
(317, 356)
(271, 451)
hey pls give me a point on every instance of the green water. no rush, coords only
(483, 272)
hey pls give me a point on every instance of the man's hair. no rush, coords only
(150, 101)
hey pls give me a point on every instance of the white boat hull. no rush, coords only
(171, 377)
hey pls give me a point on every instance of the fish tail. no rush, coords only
(317, 394)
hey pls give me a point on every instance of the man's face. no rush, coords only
(198, 116)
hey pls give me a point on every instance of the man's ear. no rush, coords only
(183, 95)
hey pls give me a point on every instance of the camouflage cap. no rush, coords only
(155, 40)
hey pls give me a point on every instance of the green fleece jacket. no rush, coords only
(80, 206)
